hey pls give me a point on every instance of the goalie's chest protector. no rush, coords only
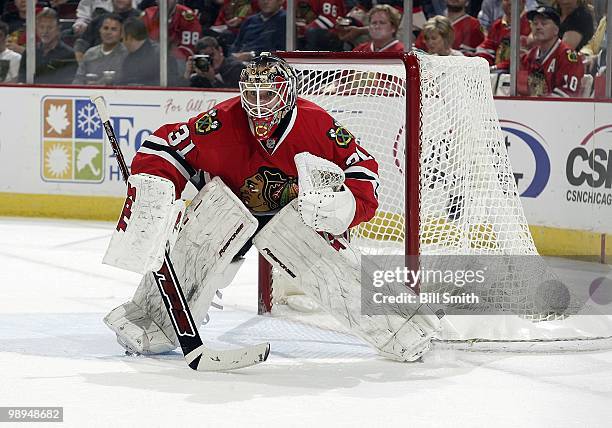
(263, 173)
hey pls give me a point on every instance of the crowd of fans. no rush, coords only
(116, 42)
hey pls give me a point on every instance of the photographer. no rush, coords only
(208, 68)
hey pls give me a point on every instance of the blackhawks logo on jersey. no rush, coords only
(188, 15)
(207, 123)
(537, 83)
(340, 135)
(269, 189)
(572, 56)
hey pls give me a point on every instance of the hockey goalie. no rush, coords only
(287, 178)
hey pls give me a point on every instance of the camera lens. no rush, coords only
(201, 62)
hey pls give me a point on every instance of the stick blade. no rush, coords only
(203, 359)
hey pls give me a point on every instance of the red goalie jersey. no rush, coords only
(263, 175)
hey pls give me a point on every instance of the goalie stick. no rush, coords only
(198, 356)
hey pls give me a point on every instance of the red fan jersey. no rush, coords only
(468, 35)
(184, 29)
(264, 174)
(231, 9)
(557, 72)
(319, 13)
(496, 46)
(393, 46)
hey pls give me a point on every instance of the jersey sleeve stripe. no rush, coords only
(170, 155)
(324, 22)
(187, 149)
(157, 140)
(360, 173)
(363, 174)
(166, 156)
(465, 48)
(483, 51)
(560, 93)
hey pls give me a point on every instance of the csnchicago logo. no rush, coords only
(527, 152)
(590, 165)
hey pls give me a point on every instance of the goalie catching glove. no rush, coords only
(324, 202)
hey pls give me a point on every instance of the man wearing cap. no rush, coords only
(551, 67)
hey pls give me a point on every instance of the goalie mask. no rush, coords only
(268, 90)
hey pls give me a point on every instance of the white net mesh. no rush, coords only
(469, 204)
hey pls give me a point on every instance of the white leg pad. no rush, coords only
(333, 279)
(215, 227)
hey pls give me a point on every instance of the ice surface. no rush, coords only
(55, 351)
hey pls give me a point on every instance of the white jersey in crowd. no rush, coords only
(9, 66)
(86, 8)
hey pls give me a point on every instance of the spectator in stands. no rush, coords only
(87, 10)
(55, 61)
(595, 58)
(496, 46)
(492, 10)
(184, 30)
(316, 22)
(434, 7)
(439, 35)
(9, 60)
(592, 50)
(15, 17)
(467, 29)
(66, 9)
(384, 23)
(551, 67)
(231, 16)
(216, 71)
(576, 22)
(207, 10)
(353, 29)
(473, 7)
(91, 37)
(102, 63)
(264, 31)
(141, 65)
(468, 32)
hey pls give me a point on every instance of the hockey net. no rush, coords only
(446, 185)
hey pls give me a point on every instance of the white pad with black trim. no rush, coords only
(333, 279)
(149, 219)
(215, 227)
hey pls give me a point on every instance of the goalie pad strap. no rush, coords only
(215, 227)
(333, 279)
